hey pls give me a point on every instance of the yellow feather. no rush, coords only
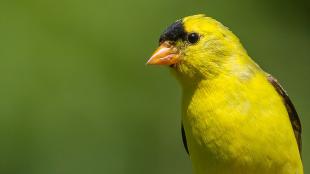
(234, 119)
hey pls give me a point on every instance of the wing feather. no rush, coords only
(294, 118)
(184, 138)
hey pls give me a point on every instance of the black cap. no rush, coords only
(174, 32)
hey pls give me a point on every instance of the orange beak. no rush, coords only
(166, 54)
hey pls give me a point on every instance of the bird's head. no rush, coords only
(197, 47)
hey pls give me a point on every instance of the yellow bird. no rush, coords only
(235, 117)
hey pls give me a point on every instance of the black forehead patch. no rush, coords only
(174, 32)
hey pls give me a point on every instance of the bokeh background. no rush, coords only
(76, 96)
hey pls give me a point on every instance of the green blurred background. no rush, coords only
(76, 96)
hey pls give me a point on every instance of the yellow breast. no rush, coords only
(239, 127)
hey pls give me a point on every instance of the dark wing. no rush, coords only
(184, 138)
(290, 109)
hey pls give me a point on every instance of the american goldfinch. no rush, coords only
(236, 118)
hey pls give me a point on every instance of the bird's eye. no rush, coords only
(193, 38)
